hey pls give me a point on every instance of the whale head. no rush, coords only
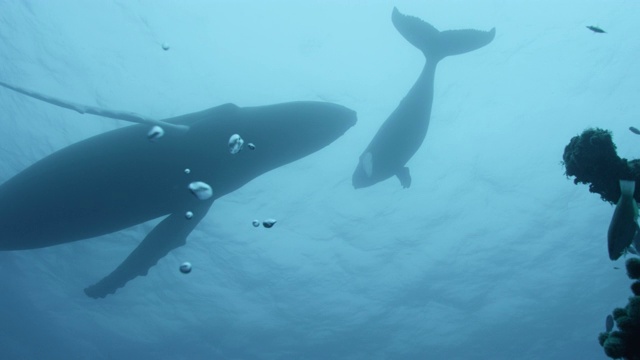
(279, 134)
(287, 132)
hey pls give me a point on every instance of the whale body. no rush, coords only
(118, 179)
(402, 134)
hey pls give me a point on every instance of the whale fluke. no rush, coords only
(435, 44)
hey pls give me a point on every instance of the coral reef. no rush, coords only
(633, 268)
(592, 159)
(624, 343)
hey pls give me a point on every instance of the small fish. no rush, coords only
(624, 223)
(634, 130)
(596, 29)
(609, 323)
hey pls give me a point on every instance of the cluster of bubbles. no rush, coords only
(236, 143)
(267, 223)
(200, 189)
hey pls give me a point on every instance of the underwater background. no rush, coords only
(492, 253)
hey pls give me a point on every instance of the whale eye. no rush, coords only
(367, 163)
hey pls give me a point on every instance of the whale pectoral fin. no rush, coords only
(404, 176)
(169, 234)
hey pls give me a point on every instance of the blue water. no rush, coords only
(491, 254)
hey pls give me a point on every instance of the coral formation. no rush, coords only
(592, 159)
(625, 342)
(633, 268)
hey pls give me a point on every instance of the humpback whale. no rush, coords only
(118, 179)
(403, 132)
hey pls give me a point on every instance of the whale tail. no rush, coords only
(436, 44)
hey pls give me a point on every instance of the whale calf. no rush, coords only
(403, 132)
(118, 179)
